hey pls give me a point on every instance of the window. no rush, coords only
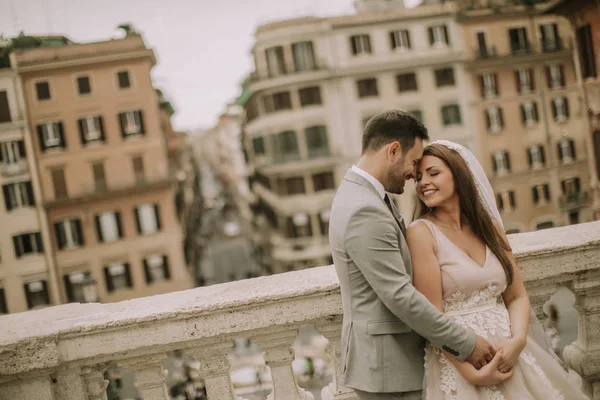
(573, 217)
(304, 56)
(494, 119)
(407, 82)
(316, 141)
(488, 85)
(529, 113)
(555, 75)
(83, 85)
(4, 107)
(275, 61)
(3, 307)
(258, 144)
(299, 226)
(438, 35)
(524, 78)
(361, 44)
(519, 44)
(400, 40)
(566, 150)
(501, 161)
(541, 194)
(123, 79)
(132, 123)
(596, 150)
(156, 268)
(108, 226)
(544, 225)
(323, 181)
(147, 218)
(68, 233)
(73, 286)
(571, 187)
(99, 176)
(587, 54)
(12, 152)
(324, 222)
(444, 77)
(291, 186)
(28, 243)
(549, 37)
(251, 107)
(482, 48)
(536, 156)
(36, 293)
(451, 115)
(59, 183)
(51, 136)
(367, 87)
(91, 129)
(560, 108)
(18, 195)
(418, 114)
(42, 90)
(117, 276)
(278, 101)
(310, 96)
(506, 200)
(289, 145)
(263, 180)
(138, 168)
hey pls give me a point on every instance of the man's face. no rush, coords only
(404, 168)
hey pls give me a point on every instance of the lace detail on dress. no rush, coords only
(485, 324)
(493, 393)
(448, 384)
(460, 302)
(530, 360)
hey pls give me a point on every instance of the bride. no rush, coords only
(463, 263)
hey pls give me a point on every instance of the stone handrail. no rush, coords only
(60, 353)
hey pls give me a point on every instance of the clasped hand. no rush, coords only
(501, 367)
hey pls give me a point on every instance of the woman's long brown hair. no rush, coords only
(472, 210)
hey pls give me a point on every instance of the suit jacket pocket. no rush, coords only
(387, 327)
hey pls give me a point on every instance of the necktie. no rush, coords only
(400, 221)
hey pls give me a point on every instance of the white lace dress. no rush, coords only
(472, 297)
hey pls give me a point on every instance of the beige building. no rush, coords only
(530, 119)
(317, 82)
(103, 168)
(26, 279)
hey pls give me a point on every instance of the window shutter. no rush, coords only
(495, 163)
(2, 145)
(562, 75)
(147, 271)
(28, 295)
(536, 198)
(79, 232)
(554, 110)
(507, 157)
(119, 228)
(128, 275)
(572, 145)
(99, 229)
(501, 115)
(16, 242)
(31, 197)
(566, 100)
(500, 201)
(157, 216)
(511, 196)
(488, 120)
(543, 154)
(101, 123)
(68, 288)
(21, 145)
(535, 111)
(393, 40)
(61, 133)
(353, 44)
(46, 294)
(108, 279)
(38, 242)
(548, 77)
(563, 184)
(577, 185)
(523, 114)
(530, 156)
(482, 85)
(518, 81)
(41, 138)
(446, 36)
(122, 122)
(166, 267)
(496, 86)
(137, 220)
(7, 201)
(430, 36)
(547, 192)
(81, 123)
(60, 235)
(141, 117)
(408, 39)
(531, 78)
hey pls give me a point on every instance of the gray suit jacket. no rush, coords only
(385, 317)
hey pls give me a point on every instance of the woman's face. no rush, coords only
(435, 183)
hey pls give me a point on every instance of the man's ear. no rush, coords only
(394, 150)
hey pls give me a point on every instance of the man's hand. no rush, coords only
(482, 354)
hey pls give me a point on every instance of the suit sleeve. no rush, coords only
(371, 240)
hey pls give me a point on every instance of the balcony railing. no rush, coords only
(574, 200)
(12, 169)
(522, 49)
(486, 52)
(556, 44)
(62, 352)
(317, 65)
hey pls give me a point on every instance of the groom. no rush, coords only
(385, 318)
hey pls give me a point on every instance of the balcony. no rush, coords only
(260, 81)
(12, 169)
(574, 200)
(63, 354)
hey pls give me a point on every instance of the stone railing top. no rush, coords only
(86, 333)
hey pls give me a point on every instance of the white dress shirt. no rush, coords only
(376, 184)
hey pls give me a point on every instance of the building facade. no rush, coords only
(525, 98)
(103, 168)
(26, 273)
(316, 84)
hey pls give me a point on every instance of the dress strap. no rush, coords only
(432, 228)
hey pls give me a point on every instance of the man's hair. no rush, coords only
(390, 126)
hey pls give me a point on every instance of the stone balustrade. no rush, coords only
(60, 353)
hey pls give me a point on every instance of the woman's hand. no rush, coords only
(489, 374)
(511, 349)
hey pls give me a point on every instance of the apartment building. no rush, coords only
(533, 137)
(103, 168)
(316, 84)
(584, 18)
(26, 280)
